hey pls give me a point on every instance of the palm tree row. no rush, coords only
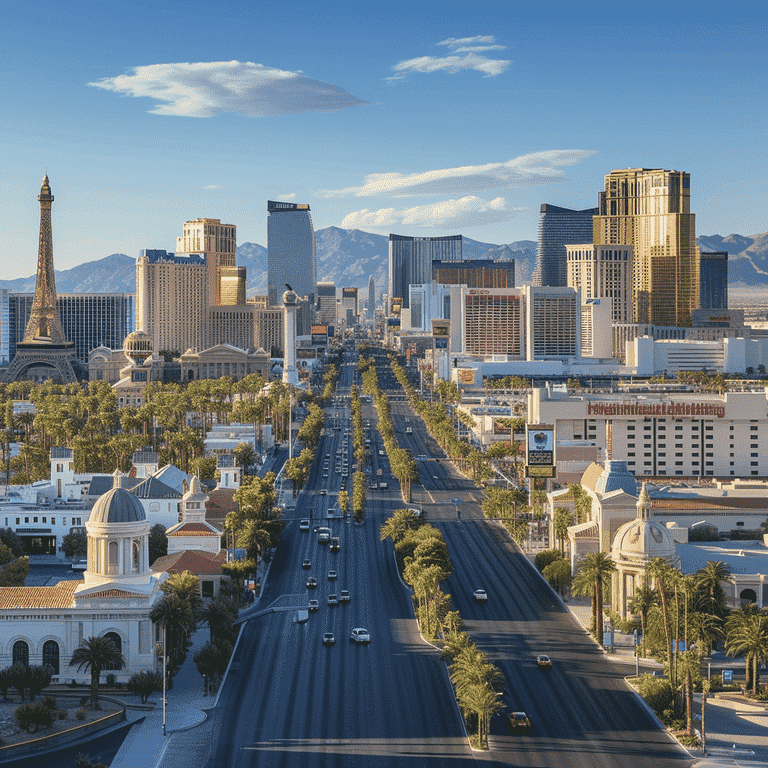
(477, 683)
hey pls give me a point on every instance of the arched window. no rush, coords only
(51, 655)
(118, 643)
(21, 653)
(748, 596)
(136, 556)
(113, 557)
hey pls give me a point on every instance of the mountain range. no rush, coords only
(348, 257)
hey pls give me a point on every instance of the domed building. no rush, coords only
(635, 544)
(46, 624)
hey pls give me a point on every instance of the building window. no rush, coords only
(21, 653)
(51, 655)
(118, 643)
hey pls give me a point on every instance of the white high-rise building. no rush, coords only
(603, 270)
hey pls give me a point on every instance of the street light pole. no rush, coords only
(165, 660)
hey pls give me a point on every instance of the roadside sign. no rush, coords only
(727, 676)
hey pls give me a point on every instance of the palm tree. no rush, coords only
(398, 524)
(219, 615)
(95, 654)
(254, 536)
(179, 620)
(642, 602)
(747, 633)
(662, 574)
(591, 579)
(484, 702)
(561, 520)
(709, 585)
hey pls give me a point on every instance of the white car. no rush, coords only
(360, 635)
(480, 595)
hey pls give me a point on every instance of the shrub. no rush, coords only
(543, 559)
(30, 717)
(111, 679)
(63, 714)
(80, 714)
(83, 761)
(657, 693)
(6, 681)
(145, 684)
(716, 683)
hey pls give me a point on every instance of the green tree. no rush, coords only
(75, 544)
(344, 502)
(158, 542)
(179, 621)
(592, 577)
(558, 576)
(398, 524)
(95, 654)
(219, 615)
(562, 519)
(709, 582)
(641, 603)
(15, 573)
(145, 684)
(747, 633)
(12, 540)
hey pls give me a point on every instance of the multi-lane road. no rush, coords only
(289, 700)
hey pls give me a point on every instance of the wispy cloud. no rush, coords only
(466, 212)
(213, 186)
(289, 196)
(206, 89)
(469, 46)
(524, 171)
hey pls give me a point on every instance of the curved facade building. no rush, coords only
(291, 254)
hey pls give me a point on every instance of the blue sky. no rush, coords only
(416, 118)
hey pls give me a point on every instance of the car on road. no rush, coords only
(408, 431)
(311, 582)
(344, 596)
(80, 565)
(306, 565)
(314, 605)
(480, 595)
(323, 491)
(328, 638)
(422, 457)
(519, 722)
(333, 599)
(335, 544)
(331, 575)
(360, 635)
(304, 525)
(543, 662)
(323, 535)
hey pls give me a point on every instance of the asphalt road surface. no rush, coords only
(291, 701)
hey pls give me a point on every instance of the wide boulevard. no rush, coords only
(290, 700)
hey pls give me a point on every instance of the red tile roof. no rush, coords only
(193, 560)
(59, 596)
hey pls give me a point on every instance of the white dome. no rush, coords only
(643, 540)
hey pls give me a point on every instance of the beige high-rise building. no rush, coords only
(232, 285)
(218, 243)
(172, 300)
(650, 209)
(268, 329)
(603, 271)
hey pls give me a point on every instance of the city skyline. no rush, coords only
(421, 121)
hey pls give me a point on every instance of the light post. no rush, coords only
(161, 648)
(456, 503)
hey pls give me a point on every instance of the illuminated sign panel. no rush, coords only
(539, 445)
(634, 408)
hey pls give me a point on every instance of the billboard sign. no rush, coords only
(466, 376)
(539, 445)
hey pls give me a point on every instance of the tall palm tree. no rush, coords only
(95, 654)
(662, 574)
(179, 620)
(641, 603)
(219, 614)
(709, 582)
(398, 524)
(484, 702)
(255, 537)
(591, 579)
(747, 633)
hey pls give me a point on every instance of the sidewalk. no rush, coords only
(185, 708)
(623, 645)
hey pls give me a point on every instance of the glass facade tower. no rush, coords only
(410, 260)
(291, 251)
(559, 227)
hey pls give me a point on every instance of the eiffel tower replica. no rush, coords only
(45, 352)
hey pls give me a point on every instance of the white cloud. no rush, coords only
(454, 42)
(467, 212)
(453, 63)
(213, 186)
(206, 89)
(289, 196)
(524, 171)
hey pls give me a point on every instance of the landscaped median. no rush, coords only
(74, 720)
(423, 562)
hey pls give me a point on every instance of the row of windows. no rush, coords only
(51, 653)
(77, 521)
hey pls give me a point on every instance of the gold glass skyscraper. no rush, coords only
(650, 209)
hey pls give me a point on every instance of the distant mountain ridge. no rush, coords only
(349, 257)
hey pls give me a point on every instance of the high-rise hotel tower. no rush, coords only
(217, 243)
(650, 209)
(291, 255)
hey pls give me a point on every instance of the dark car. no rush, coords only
(311, 582)
(306, 564)
(314, 605)
(519, 722)
(331, 575)
(344, 596)
(333, 599)
(328, 638)
(335, 544)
